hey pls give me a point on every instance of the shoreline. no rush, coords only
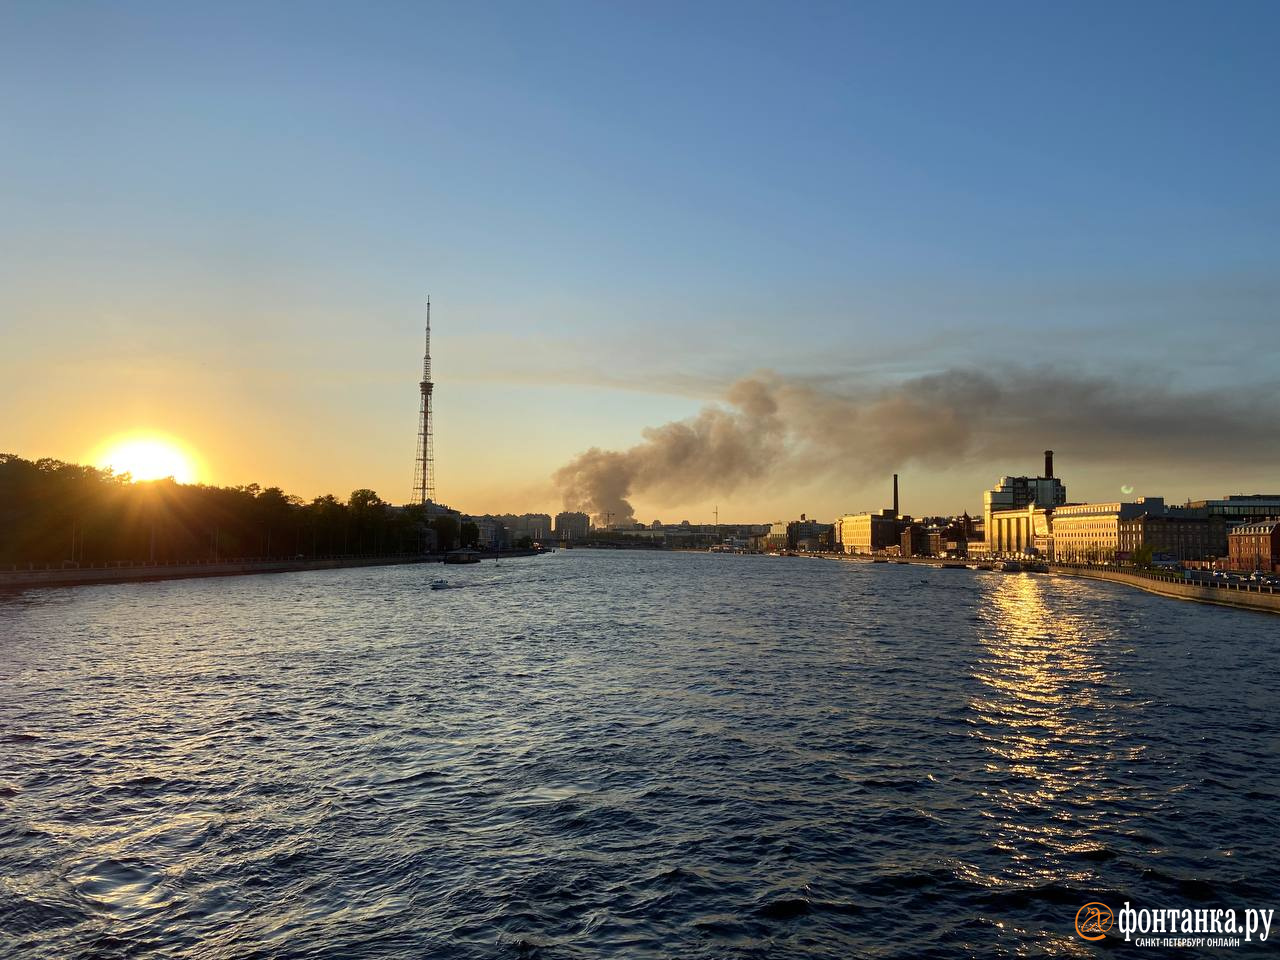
(1236, 596)
(1257, 599)
(1240, 597)
(154, 572)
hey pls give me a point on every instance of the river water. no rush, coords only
(626, 754)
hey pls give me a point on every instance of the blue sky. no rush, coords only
(225, 218)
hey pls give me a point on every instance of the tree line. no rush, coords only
(55, 512)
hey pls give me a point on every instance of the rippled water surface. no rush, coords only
(625, 754)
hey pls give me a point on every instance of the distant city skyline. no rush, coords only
(222, 224)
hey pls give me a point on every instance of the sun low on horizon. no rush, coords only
(148, 456)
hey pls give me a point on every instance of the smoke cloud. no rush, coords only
(770, 428)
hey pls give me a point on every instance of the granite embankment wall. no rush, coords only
(126, 573)
(1250, 596)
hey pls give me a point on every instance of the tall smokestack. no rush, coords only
(895, 495)
(1048, 463)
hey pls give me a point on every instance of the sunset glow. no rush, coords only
(148, 457)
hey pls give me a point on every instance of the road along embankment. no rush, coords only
(1247, 596)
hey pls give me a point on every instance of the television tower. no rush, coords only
(424, 470)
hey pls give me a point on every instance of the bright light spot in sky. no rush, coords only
(1126, 490)
(147, 456)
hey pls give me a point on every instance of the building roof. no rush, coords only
(1266, 527)
(1174, 518)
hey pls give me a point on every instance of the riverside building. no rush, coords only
(1241, 507)
(776, 537)
(1174, 535)
(914, 541)
(534, 525)
(1027, 530)
(572, 526)
(866, 532)
(491, 532)
(808, 535)
(1090, 532)
(1013, 494)
(1255, 546)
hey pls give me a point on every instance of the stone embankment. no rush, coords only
(1225, 593)
(20, 578)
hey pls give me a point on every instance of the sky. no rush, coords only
(220, 222)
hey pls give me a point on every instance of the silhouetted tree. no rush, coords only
(54, 512)
(446, 528)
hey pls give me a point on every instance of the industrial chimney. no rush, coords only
(895, 495)
(1048, 463)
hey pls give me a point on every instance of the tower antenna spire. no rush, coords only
(424, 471)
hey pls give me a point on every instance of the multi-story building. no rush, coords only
(809, 535)
(1176, 534)
(914, 541)
(977, 550)
(1254, 546)
(776, 537)
(492, 532)
(536, 526)
(1018, 493)
(1090, 532)
(866, 532)
(1240, 507)
(1026, 530)
(955, 534)
(572, 526)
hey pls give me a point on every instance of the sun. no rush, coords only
(148, 456)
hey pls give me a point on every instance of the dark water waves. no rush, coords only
(625, 755)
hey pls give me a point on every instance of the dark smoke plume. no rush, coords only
(769, 427)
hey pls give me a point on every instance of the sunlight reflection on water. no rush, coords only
(623, 754)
